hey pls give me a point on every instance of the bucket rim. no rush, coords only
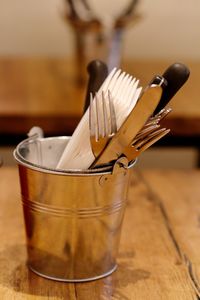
(106, 169)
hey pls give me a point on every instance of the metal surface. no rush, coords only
(152, 125)
(102, 121)
(134, 150)
(73, 219)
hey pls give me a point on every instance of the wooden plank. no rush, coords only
(51, 125)
(181, 209)
(150, 266)
(44, 89)
(37, 87)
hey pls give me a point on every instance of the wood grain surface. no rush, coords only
(159, 250)
(44, 92)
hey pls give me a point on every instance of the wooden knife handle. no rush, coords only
(97, 71)
(176, 75)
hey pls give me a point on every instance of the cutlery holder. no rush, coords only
(73, 218)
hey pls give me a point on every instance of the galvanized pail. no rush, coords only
(72, 218)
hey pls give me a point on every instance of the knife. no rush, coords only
(97, 71)
(175, 75)
(145, 106)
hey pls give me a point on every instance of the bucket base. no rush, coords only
(74, 280)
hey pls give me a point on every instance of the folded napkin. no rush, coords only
(125, 93)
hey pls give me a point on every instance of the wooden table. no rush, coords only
(159, 252)
(44, 92)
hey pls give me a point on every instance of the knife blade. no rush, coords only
(131, 126)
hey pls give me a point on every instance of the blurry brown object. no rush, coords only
(91, 42)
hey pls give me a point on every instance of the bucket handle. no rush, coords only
(120, 164)
(36, 132)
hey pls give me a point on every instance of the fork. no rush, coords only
(102, 121)
(137, 147)
(152, 124)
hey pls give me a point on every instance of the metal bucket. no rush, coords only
(73, 218)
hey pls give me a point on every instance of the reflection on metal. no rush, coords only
(73, 218)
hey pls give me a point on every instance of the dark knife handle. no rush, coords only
(176, 75)
(97, 71)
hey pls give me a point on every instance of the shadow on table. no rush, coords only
(15, 275)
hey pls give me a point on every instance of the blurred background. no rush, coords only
(166, 29)
(38, 53)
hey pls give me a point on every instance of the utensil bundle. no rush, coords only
(122, 120)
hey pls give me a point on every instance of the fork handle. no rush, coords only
(97, 71)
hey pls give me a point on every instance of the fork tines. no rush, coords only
(102, 121)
